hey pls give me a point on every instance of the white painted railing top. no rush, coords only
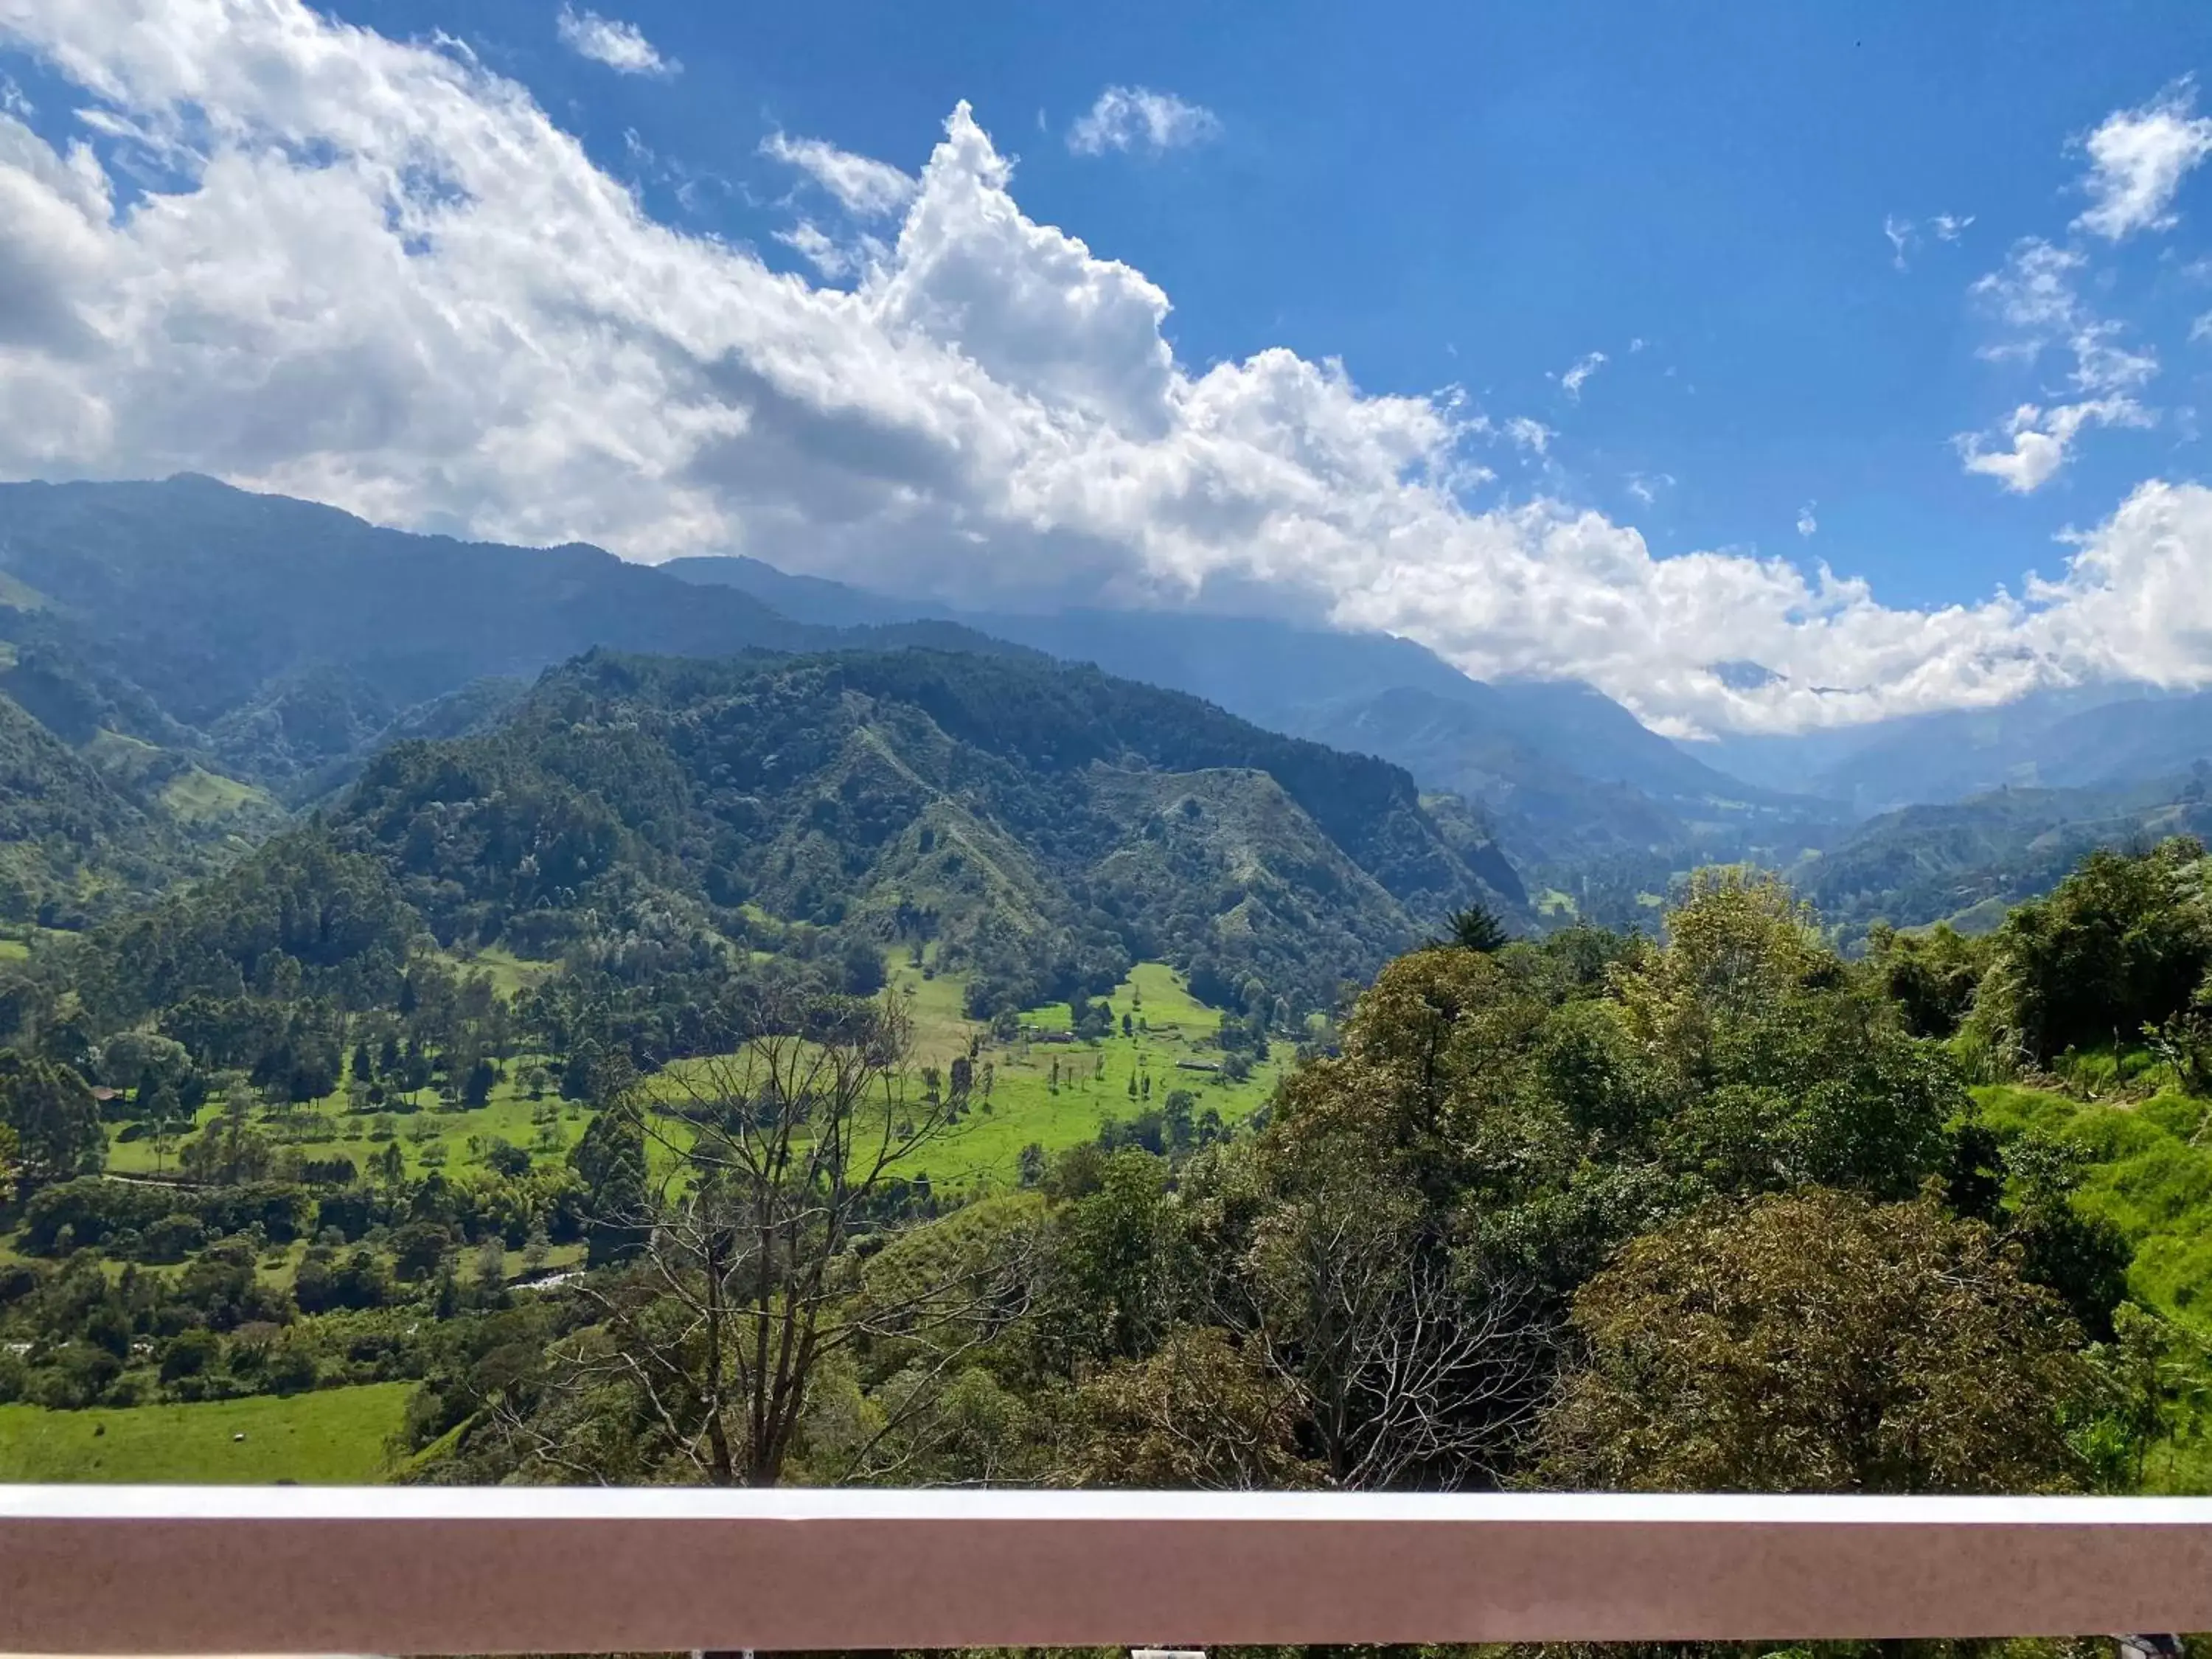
(421, 1569)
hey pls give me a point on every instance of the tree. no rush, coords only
(778, 1156)
(477, 1084)
(230, 1151)
(1476, 928)
(1409, 1368)
(1199, 1412)
(1814, 1342)
(2123, 942)
(1177, 1121)
(1764, 1061)
(54, 1119)
(611, 1159)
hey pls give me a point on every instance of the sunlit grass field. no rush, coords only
(333, 1437)
(2149, 1170)
(1025, 1104)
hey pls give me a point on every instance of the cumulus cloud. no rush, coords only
(1807, 526)
(1583, 367)
(2039, 438)
(2137, 160)
(862, 185)
(1139, 118)
(383, 276)
(621, 47)
(2035, 296)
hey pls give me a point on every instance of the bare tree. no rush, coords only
(1412, 1367)
(783, 1171)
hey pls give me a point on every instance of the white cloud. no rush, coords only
(1950, 226)
(2035, 297)
(1584, 367)
(864, 187)
(621, 47)
(384, 277)
(2137, 160)
(1900, 232)
(1807, 526)
(834, 259)
(1531, 434)
(1646, 486)
(1139, 118)
(2040, 438)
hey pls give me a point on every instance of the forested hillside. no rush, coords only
(1042, 827)
(1566, 773)
(281, 641)
(1970, 861)
(1720, 1211)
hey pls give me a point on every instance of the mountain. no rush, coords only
(2073, 739)
(1969, 860)
(1565, 772)
(276, 639)
(85, 833)
(1045, 825)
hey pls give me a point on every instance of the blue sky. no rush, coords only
(1484, 195)
(1628, 344)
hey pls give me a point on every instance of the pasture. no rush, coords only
(1043, 1086)
(333, 1437)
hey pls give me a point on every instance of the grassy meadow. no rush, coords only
(1043, 1088)
(2148, 1169)
(335, 1437)
(1024, 1105)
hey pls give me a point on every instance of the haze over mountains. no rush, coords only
(196, 660)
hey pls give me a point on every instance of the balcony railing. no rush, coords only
(292, 1570)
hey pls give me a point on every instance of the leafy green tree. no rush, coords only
(230, 1149)
(1775, 1063)
(2082, 1258)
(1198, 1410)
(54, 1119)
(1814, 1342)
(2123, 942)
(477, 1086)
(610, 1160)
(1932, 974)
(1113, 1288)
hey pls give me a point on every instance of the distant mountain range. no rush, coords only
(2089, 737)
(196, 660)
(1563, 772)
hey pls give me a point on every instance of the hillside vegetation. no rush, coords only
(1718, 1209)
(1042, 827)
